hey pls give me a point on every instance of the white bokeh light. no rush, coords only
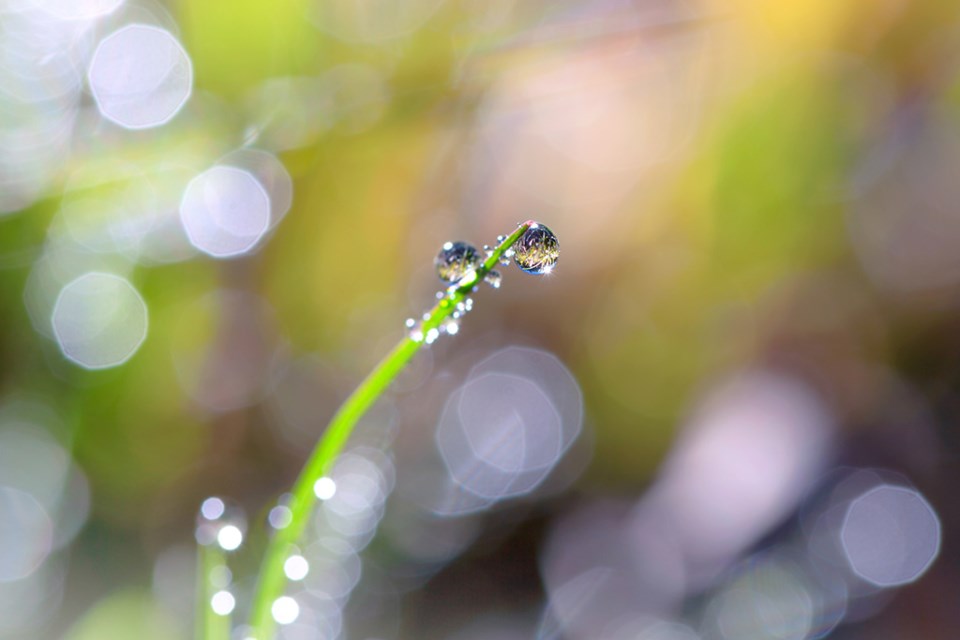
(212, 508)
(99, 320)
(280, 517)
(499, 436)
(285, 610)
(296, 567)
(225, 211)
(890, 535)
(140, 76)
(363, 478)
(504, 431)
(26, 534)
(230, 537)
(223, 603)
(324, 488)
(270, 173)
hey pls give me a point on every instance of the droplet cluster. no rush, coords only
(536, 252)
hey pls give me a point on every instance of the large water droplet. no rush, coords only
(537, 250)
(455, 260)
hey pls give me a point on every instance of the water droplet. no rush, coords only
(409, 323)
(537, 250)
(220, 522)
(493, 278)
(439, 295)
(452, 327)
(432, 335)
(500, 239)
(416, 335)
(455, 260)
(468, 304)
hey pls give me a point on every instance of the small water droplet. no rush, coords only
(456, 315)
(468, 304)
(537, 250)
(500, 239)
(409, 323)
(452, 327)
(493, 278)
(432, 335)
(220, 522)
(439, 295)
(416, 335)
(456, 260)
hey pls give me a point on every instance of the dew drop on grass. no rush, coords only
(456, 260)
(537, 250)
(493, 278)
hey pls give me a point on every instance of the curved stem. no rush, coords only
(272, 578)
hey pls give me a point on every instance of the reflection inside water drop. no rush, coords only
(537, 250)
(456, 260)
